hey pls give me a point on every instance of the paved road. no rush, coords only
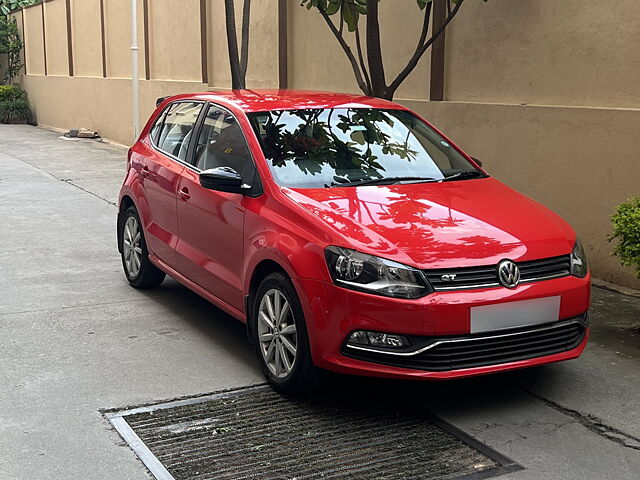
(75, 338)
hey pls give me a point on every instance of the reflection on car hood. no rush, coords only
(440, 225)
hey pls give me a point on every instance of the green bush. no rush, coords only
(15, 111)
(11, 92)
(626, 229)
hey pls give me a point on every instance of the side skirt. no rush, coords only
(234, 312)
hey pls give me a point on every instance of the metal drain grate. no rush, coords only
(255, 433)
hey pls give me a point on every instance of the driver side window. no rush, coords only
(222, 144)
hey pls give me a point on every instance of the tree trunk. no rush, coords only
(237, 80)
(374, 51)
(244, 49)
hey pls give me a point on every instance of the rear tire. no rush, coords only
(138, 269)
(280, 337)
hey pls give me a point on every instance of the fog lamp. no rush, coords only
(377, 339)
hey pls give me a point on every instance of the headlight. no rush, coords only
(578, 261)
(366, 273)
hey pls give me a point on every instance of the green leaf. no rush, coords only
(332, 7)
(350, 15)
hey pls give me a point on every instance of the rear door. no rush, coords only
(170, 137)
(210, 250)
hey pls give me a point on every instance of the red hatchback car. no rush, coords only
(349, 235)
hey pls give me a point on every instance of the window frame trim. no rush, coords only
(196, 127)
(257, 189)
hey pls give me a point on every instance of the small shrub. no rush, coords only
(15, 111)
(626, 229)
(11, 92)
(10, 45)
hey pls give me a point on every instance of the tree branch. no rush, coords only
(425, 27)
(416, 57)
(347, 51)
(244, 53)
(361, 59)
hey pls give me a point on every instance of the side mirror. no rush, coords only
(223, 179)
(476, 160)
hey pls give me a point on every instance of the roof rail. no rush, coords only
(160, 100)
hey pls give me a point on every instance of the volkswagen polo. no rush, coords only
(349, 235)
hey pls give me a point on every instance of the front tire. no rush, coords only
(138, 269)
(280, 337)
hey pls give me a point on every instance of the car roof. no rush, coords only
(264, 100)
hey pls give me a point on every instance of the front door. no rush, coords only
(210, 250)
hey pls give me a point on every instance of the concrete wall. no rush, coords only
(87, 38)
(175, 52)
(117, 35)
(546, 93)
(55, 32)
(545, 52)
(33, 40)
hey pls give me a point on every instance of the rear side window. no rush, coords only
(155, 130)
(172, 133)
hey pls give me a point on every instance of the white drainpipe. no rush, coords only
(135, 77)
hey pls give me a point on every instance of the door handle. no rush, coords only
(145, 171)
(183, 193)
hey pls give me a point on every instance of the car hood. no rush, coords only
(439, 225)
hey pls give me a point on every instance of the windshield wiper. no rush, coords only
(465, 175)
(383, 181)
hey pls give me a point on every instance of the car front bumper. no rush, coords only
(444, 317)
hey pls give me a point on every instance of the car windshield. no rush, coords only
(315, 148)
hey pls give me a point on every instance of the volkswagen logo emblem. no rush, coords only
(508, 274)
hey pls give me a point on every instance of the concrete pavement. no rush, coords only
(75, 338)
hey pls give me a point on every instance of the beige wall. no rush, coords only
(34, 53)
(175, 52)
(545, 52)
(100, 104)
(574, 148)
(87, 38)
(117, 35)
(55, 30)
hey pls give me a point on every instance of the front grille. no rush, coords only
(441, 354)
(487, 275)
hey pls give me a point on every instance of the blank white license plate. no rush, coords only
(514, 314)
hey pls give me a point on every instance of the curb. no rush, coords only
(614, 287)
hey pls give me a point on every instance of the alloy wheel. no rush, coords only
(277, 333)
(132, 246)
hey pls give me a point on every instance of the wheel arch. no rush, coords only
(125, 202)
(262, 269)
